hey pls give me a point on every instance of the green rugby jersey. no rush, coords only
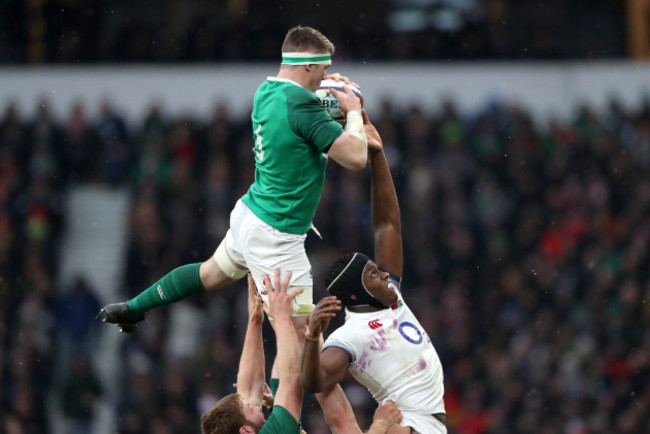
(280, 422)
(291, 129)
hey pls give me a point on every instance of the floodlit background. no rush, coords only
(518, 133)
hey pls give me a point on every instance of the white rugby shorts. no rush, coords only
(423, 423)
(262, 248)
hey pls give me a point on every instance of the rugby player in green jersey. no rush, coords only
(241, 412)
(293, 138)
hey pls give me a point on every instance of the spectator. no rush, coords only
(80, 391)
(533, 239)
(76, 324)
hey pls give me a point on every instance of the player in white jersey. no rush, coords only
(381, 343)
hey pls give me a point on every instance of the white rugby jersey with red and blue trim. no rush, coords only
(392, 356)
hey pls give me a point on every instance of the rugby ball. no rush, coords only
(328, 99)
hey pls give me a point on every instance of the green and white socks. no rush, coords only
(178, 284)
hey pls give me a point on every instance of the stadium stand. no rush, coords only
(525, 257)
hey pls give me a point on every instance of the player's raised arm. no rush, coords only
(321, 371)
(350, 148)
(289, 394)
(250, 376)
(385, 207)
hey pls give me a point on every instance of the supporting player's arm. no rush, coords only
(340, 416)
(250, 376)
(321, 371)
(385, 207)
(289, 394)
(385, 416)
(338, 412)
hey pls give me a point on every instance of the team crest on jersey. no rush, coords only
(398, 304)
(375, 324)
(264, 291)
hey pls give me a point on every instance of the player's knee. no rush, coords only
(227, 265)
(211, 276)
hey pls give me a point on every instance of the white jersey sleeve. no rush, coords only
(347, 342)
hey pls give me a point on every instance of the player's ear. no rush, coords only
(246, 430)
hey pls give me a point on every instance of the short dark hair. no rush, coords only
(225, 417)
(301, 38)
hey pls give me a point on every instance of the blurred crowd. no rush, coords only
(526, 260)
(118, 31)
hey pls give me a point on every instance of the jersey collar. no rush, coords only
(284, 80)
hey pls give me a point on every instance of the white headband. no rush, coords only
(305, 58)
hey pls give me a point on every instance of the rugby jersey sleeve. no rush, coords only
(346, 341)
(310, 120)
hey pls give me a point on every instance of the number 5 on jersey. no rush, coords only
(258, 149)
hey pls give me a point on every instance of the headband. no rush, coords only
(347, 281)
(305, 58)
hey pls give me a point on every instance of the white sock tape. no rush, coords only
(354, 126)
(225, 263)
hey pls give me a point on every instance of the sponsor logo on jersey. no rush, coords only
(398, 304)
(264, 291)
(375, 324)
(161, 294)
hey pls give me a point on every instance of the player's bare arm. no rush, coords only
(350, 148)
(375, 143)
(338, 412)
(349, 151)
(385, 417)
(250, 377)
(321, 371)
(337, 408)
(289, 394)
(385, 207)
